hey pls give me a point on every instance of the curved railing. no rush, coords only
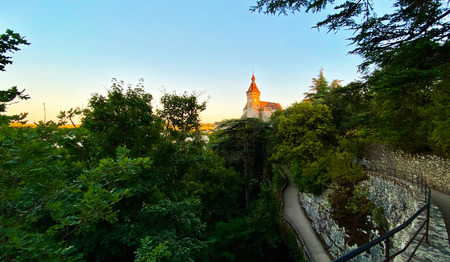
(387, 236)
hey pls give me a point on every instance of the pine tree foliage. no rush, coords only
(374, 34)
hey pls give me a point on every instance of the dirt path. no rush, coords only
(293, 212)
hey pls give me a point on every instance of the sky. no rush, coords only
(78, 46)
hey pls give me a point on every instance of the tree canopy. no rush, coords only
(115, 188)
(374, 34)
(320, 87)
(123, 118)
(181, 113)
(9, 43)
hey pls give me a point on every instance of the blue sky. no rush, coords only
(211, 46)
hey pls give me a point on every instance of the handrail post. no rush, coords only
(387, 250)
(428, 222)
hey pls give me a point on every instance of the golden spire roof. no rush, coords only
(253, 88)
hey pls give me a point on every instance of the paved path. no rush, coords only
(437, 249)
(442, 201)
(294, 213)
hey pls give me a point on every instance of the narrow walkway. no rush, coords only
(437, 249)
(442, 201)
(294, 213)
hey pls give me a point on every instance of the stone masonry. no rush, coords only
(399, 200)
(434, 170)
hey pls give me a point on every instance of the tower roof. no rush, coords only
(253, 88)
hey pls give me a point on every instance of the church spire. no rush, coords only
(253, 88)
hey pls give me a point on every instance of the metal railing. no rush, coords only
(386, 238)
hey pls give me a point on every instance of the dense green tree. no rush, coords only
(181, 113)
(350, 107)
(255, 237)
(44, 202)
(218, 188)
(401, 101)
(409, 94)
(303, 134)
(9, 43)
(320, 88)
(122, 118)
(111, 189)
(243, 143)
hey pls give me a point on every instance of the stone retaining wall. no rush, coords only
(398, 200)
(318, 211)
(433, 169)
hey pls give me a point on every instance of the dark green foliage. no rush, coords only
(375, 35)
(257, 232)
(123, 118)
(104, 190)
(403, 101)
(320, 159)
(259, 236)
(320, 88)
(9, 43)
(218, 188)
(181, 114)
(278, 179)
(409, 94)
(182, 229)
(46, 202)
(351, 207)
(117, 189)
(303, 134)
(7, 98)
(32, 186)
(350, 107)
(243, 143)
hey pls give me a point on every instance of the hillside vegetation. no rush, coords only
(125, 185)
(130, 183)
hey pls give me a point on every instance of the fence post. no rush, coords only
(428, 222)
(387, 255)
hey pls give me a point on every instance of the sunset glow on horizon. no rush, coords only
(77, 47)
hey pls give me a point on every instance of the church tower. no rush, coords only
(253, 103)
(256, 108)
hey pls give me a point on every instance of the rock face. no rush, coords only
(399, 200)
(433, 169)
(318, 210)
